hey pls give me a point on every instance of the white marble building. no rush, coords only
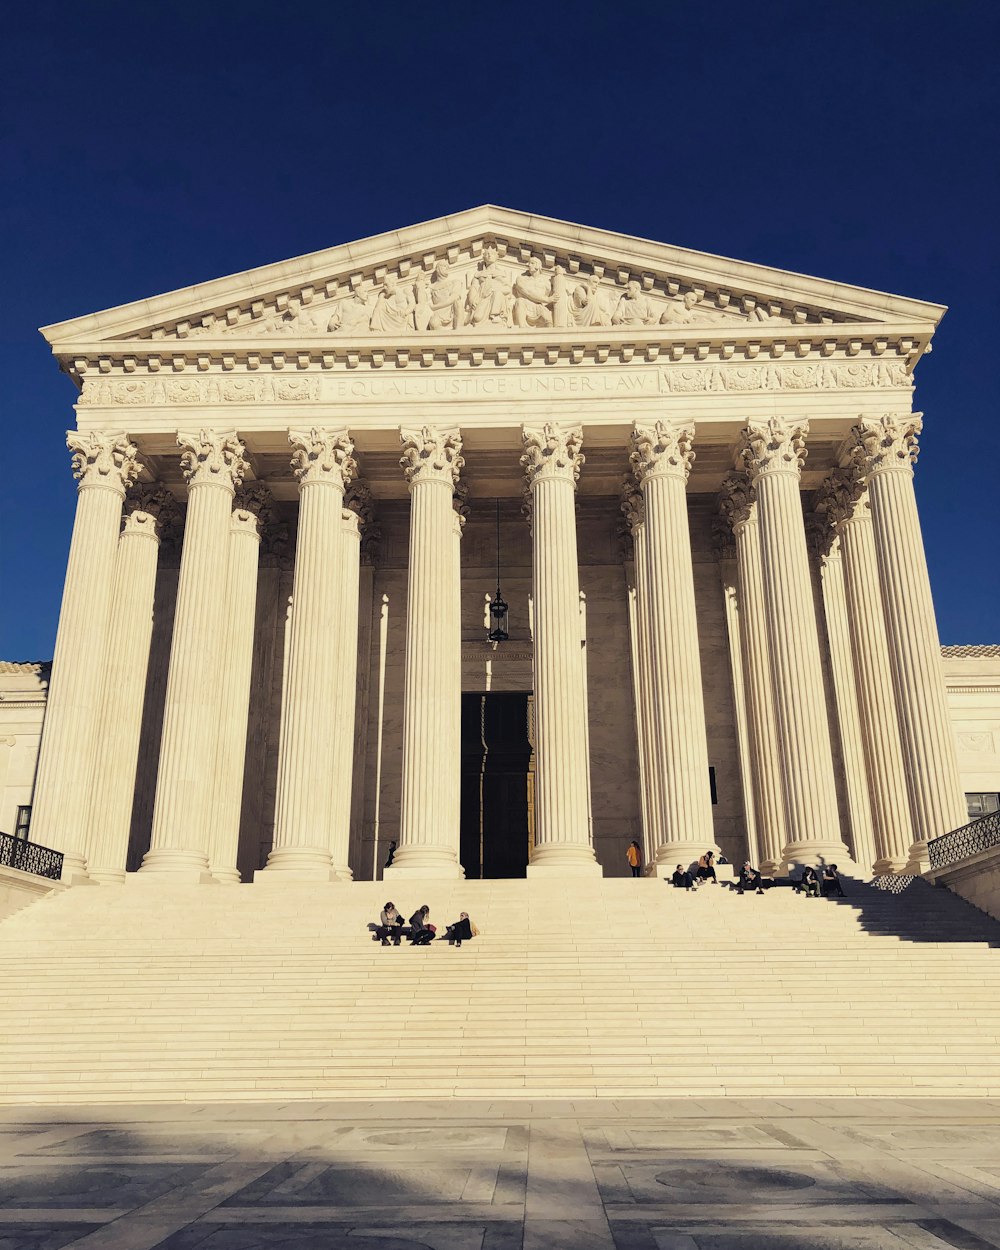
(294, 487)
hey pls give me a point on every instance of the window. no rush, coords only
(712, 785)
(23, 821)
(982, 804)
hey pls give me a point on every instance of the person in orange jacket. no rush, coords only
(634, 857)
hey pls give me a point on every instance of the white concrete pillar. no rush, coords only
(109, 811)
(428, 843)
(552, 460)
(650, 800)
(323, 462)
(772, 454)
(213, 465)
(104, 465)
(661, 460)
(844, 500)
(884, 450)
(737, 504)
(253, 509)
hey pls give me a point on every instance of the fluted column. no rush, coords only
(213, 465)
(552, 460)
(313, 690)
(650, 800)
(356, 514)
(148, 509)
(772, 454)
(429, 819)
(824, 546)
(844, 500)
(661, 460)
(884, 451)
(104, 465)
(253, 509)
(738, 506)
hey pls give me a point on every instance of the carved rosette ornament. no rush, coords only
(103, 460)
(552, 451)
(431, 454)
(210, 458)
(774, 446)
(323, 455)
(887, 442)
(662, 450)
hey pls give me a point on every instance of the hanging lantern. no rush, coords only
(498, 607)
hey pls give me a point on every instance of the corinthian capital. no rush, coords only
(323, 456)
(552, 451)
(103, 459)
(662, 450)
(736, 500)
(431, 454)
(821, 537)
(839, 495)
(151, 509)
(633, 505)
(886, 442)
(774, 446)
(211, 458)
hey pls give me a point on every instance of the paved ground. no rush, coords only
(648, 1174)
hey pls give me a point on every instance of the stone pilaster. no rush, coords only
(661, 460)
(104, 465)
(772, 454)
(650, 800)
(149, 510)
(253, 510)
(738, 506)
(552, 460)
(429, 826)
(884, 450)
(324, 464)
(213, 464)
(825, 548)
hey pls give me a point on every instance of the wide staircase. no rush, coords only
(573, 988)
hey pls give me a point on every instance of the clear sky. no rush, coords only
(146, 146)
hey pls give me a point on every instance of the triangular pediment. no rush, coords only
(485, 273)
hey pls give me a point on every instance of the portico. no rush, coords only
(289, 484)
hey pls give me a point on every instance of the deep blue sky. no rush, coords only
(146, 146)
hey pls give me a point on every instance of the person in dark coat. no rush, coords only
(421, 933)
(831, 881)
(681, 879)
(460, 931)
(750, 879)
(809, 882)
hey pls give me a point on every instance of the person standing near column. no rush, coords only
(552, 461)
(884, 450)
(432, 697)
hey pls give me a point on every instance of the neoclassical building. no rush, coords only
(302, 488)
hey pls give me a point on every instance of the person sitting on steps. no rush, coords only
(831, 881)
(706, 868)
(463, 930)
(390, 925)
(750, 879)
(421, 933)
(681, 879)
(809, 882)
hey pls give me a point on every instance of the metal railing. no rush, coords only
(30, 857)
(971, 839)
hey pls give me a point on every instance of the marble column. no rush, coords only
(825, 548)
(552, 460)
(883, 450)
(738, 506)
(104, 465)
(772, 454)
(253, 509)
(650, 802)
(148, 510)
(323, 462)
(661, 461)
(213, 464)
(428, 842)
(357, 512)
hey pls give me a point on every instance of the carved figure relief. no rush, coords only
(634, 309)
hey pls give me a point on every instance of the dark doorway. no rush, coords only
(497, 785)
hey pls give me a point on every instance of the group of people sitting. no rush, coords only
(392, 928)
(812, 882)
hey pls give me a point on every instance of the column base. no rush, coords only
(296, 863)
(423, 870)
(917, 861)
(173, 864)
(816, 854)
(74, 870)
(887, 867)
(670, 854)
(108, 876)
(227, 876)
(564, 859)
